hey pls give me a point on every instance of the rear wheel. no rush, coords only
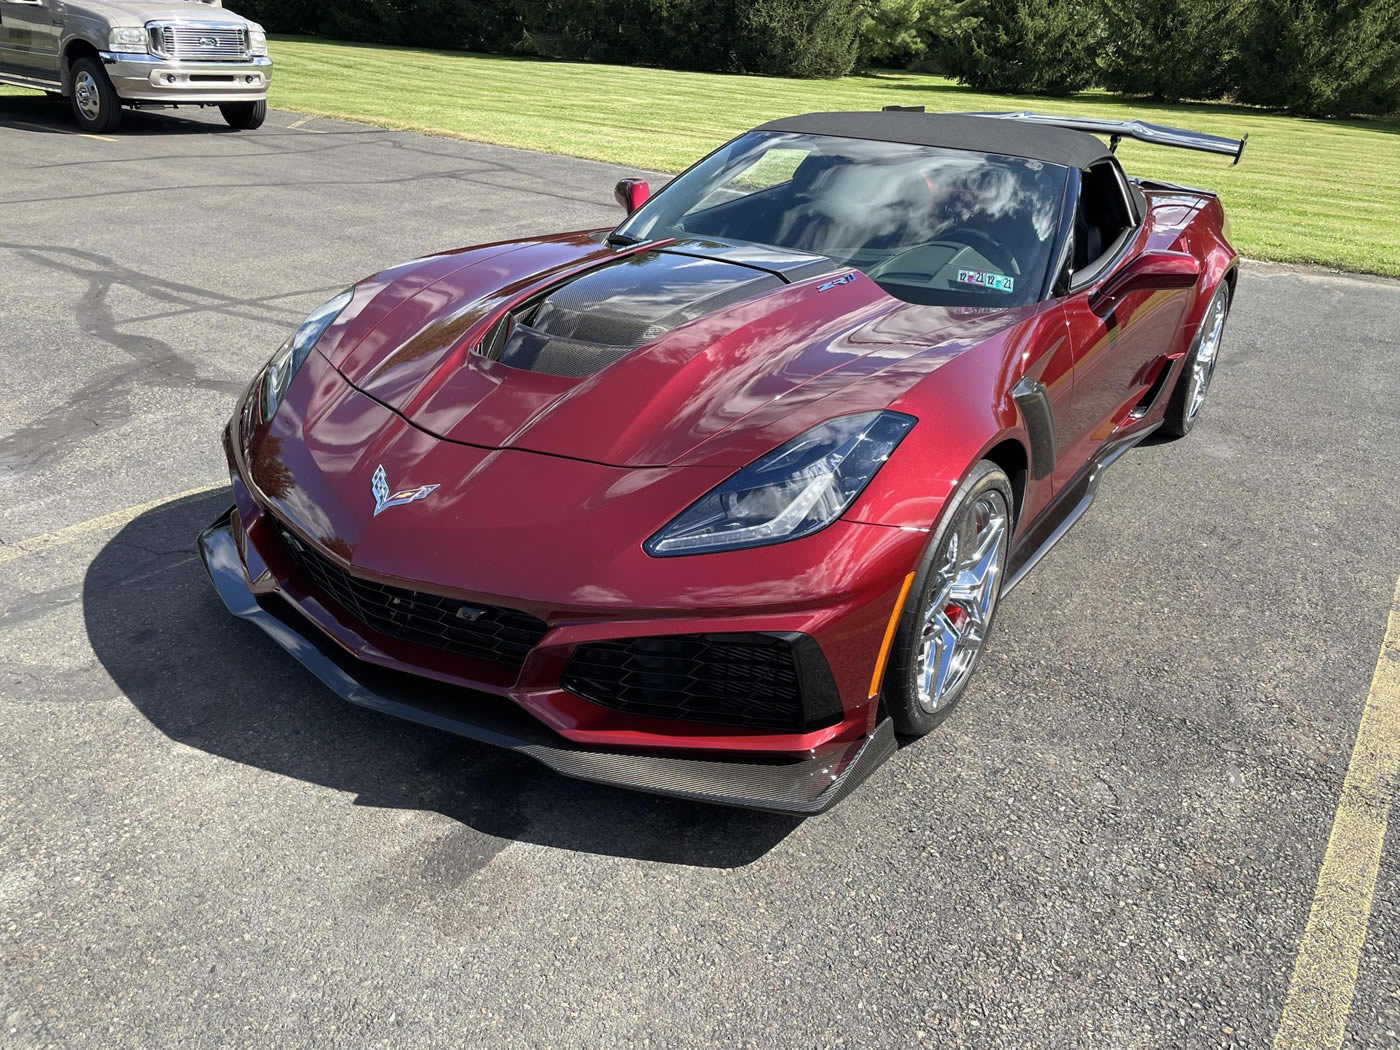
(95, 102)
(244, 116)
(1190, 394)
(949, 611)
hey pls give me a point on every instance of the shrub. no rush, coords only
(1168, 49)
(1320, 58)
(797, 38)
(801, 38)
(1039, 47)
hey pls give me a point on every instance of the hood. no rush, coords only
(675, 353)
(174, 11)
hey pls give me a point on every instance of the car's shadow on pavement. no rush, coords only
(218, 684)
(54, 116)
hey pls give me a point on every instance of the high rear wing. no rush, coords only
(1116, 130)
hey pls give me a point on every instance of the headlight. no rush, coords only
(277, 376)
(128, 39)
(801, 487)
(257, 42)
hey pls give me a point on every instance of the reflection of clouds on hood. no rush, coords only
(874, 191)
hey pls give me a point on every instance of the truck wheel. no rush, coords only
(95, 101)
(245, 116)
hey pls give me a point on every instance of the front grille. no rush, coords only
(200, 43)
(483, 632)
(746, 680)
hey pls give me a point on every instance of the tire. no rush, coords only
(244, 116)
(95, 103)
(943, 629)
(1194, 383)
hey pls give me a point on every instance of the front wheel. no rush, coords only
(943, 629)
(244, 116)
(1190, 394)
(95, 102)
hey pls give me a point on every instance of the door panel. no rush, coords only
(1117, 357)
(29, 38)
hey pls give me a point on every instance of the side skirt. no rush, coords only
(1068, 507)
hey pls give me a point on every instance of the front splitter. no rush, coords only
(801, 787)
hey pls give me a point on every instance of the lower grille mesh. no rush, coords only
(736, 680)
(483, 632)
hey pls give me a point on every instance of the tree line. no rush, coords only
(1315, 57)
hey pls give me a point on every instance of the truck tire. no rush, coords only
(95, 102)
(244, 116)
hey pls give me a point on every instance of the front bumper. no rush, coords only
(799, 786)
(150, 78)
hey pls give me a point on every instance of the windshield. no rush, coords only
(935, 226)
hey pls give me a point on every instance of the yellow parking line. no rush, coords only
(55, 131)
(1324, 976)
(115, 520)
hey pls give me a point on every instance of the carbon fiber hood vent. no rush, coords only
(581, 326)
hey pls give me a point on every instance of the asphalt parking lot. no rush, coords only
(1114, 844)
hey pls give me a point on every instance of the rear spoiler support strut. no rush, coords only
(1117, 130)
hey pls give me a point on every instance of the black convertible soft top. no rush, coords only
(1010, 138)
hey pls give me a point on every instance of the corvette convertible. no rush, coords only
(720, 503)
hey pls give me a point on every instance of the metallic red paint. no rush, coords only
(550, 484)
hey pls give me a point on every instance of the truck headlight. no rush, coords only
(277, 376)
(128, 39)
(257, 42)
(793, 491)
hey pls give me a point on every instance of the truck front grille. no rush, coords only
(193, 42)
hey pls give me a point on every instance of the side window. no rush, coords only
(1103, 216)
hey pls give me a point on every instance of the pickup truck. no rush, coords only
(102, 55)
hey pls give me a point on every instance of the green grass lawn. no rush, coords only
(1310, 191)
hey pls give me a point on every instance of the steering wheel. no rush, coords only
(991, 248)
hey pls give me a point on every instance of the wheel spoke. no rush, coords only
(940, 651)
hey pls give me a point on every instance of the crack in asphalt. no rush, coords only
(104, 399)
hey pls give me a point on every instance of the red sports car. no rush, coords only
(720, 502)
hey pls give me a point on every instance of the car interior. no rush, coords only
(1102, 220)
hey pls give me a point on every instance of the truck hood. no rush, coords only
(176, 11)
(679, 353)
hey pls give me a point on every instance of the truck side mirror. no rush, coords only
(631, 194)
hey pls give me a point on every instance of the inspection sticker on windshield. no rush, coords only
(997, 282)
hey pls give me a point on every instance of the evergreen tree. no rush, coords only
(1168, 49)
(897, 32)
(1039, 47)
(1320, 58)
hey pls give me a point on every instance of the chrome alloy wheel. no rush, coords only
(1203, 367)
(85, 93)
(961, 600)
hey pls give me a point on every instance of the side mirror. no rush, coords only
(1149, 272)
(631, 193)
